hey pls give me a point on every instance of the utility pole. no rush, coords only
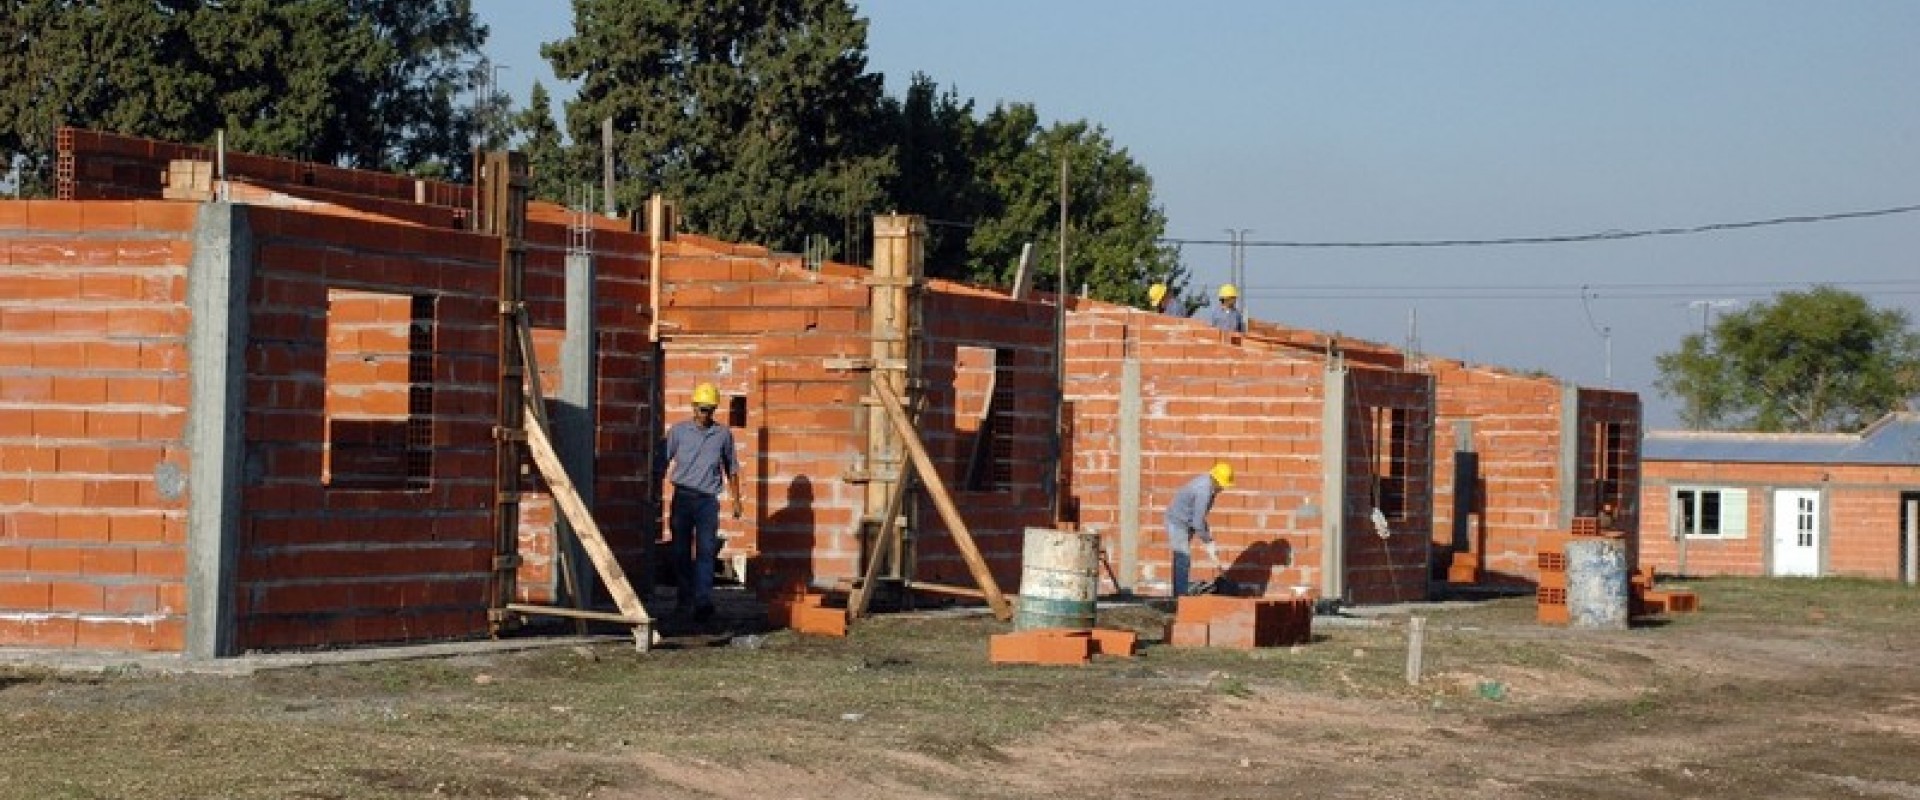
(1706, 311)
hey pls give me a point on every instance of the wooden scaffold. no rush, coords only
(523, 429)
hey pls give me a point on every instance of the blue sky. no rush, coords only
(1393, 121)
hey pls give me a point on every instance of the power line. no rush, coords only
(1602, 236)
(1532, 296)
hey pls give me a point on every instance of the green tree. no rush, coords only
(376, 84)
(1113, 225)
(557, 171)
(1823, 360)
(758, 116)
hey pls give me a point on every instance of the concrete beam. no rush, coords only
(218, 278)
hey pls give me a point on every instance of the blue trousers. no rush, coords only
(1177, 539)
(694, 519)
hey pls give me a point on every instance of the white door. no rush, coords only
(1796, 533)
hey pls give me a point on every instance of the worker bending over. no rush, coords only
(1187, 518)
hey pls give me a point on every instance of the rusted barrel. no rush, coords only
(1059, 580)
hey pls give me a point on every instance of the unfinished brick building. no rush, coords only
(270, 423)
(794, 349)
(1516, 458)
(1317, 441)
(1784, 504)
(229, 426)
(1519, 457)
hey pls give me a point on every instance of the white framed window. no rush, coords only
(1708, 513)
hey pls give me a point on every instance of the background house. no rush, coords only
(1781, 504)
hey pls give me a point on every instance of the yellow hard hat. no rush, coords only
(1156, 292)
(1228, 290)
(1222, 473)
(706, 395)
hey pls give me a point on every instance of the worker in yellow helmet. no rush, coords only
(701, 453)
(1226, 314)
(1160, 299)
(1187, 519)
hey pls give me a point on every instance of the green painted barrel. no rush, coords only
(1059, 580)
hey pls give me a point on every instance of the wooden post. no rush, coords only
(897, 263)
(502, 194)
(942, 501)
(1416, 641)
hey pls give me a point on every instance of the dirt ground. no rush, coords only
(1777, 689)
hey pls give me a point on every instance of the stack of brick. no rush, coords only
(806, 612)
(1550, 597)
(1059, 646)
(1241, 623)
(1648, 601)
(1550, 594)
(1464, 569)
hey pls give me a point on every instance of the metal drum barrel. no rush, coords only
(1597, 582)
(1059, 580)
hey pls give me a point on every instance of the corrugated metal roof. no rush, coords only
(1894, 439)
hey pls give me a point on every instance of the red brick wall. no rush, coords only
(93, 401)
(1206, 396)
(1516, 421)
(331, 565)
(1391, 569)
(1860, 504)
(1023, 332)
(761, 330)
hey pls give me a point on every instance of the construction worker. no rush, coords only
(1187, 518)
(1158, 300)
(701, 452)
(1226, 314)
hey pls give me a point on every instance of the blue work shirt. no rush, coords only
(1222, 318)
(1188, 511)
(702, 457)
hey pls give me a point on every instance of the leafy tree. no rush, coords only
(557, 170)
(1822, 360)
(376, 84)
(757, 116)
(1113, 224)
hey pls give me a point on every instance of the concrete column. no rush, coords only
(1333, 483)
(575, 411)
(1129, 567)
(218, 278)
(1569, 478)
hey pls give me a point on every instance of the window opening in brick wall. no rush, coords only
(1610, 451)
(1388, 435)
(983, 394)
(379, 391)
(1715, 513)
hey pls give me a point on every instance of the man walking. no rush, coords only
(701, 452)
(1224, 315)
(1187, 518)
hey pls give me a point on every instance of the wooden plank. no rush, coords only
(537, 402)
(1023, 276)
(946, 588)
(942, 501)
(574, 613)
(568, 499)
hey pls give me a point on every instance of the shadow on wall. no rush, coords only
(1253, 568)
(787, 539)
